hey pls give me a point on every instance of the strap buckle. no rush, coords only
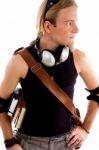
(36, 67)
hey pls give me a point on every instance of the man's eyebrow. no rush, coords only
(71, 20)
(68, 20)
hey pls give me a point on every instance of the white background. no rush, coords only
(18, 28)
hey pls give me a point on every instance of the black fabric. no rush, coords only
(45, 115)
(93, 94)
(93, 91)
(4, 104)
(10, 142)
(49, 4)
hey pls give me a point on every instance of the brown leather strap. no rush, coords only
(37, 69)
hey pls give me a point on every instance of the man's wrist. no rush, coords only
(86, 129)
(10, 142)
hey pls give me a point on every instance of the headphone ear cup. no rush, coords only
(48, 58)
(64, 54)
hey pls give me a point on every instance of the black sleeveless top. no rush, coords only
(45, 115)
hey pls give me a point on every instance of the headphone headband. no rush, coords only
(49, 4)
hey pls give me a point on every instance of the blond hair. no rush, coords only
(51, 13)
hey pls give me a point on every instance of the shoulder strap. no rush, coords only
(37, 69)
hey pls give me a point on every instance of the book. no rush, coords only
(17, 108)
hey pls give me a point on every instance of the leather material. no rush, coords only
(37, 69)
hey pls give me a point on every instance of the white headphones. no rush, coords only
(48, 58)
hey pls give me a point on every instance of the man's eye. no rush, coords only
(69, 23)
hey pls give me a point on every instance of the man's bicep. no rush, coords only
(10, 79)
(88, 74)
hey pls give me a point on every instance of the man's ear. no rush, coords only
(48, 26)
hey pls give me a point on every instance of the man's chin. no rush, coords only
(70, 44)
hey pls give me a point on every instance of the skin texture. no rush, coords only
(62, 33)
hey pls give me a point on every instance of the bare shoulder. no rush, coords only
(14, 71)
(17, 65)
(79, 54)
(85, 68)
(81, 60)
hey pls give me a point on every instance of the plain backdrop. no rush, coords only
(18, 28)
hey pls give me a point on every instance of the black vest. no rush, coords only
(45, 115)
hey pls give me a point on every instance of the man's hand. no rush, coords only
(77, 137)
(15, 147)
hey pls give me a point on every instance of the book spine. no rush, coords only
(16, 115)
(21, 117)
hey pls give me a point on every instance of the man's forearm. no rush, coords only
(6, 126)
(90, 115)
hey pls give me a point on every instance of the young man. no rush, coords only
(47, 125)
